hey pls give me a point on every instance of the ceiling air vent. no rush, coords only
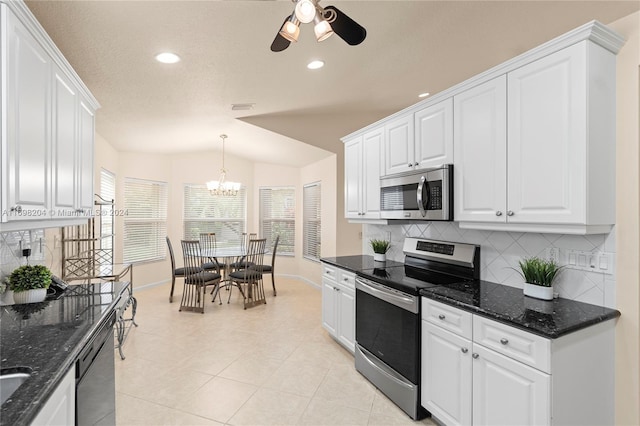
(241, 107)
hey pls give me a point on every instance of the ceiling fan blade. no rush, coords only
(346, 28)
(280, 43)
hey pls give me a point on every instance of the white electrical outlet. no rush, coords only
(553, 253)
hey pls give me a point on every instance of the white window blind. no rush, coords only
(278, 217)
(224, 215)
(107, 193)
(145, 221)
(311, 219)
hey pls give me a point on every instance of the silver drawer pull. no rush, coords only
(504, 341)
(475, 356)
(464, 350)
(498, 213)
(441, 316)
(510, 213)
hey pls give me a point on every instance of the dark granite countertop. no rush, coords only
(46, 338)
(358, 262)
(550, 319)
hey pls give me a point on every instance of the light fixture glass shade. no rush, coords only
(305, 11)
(221, 186)
(291, 28)
(322, 28)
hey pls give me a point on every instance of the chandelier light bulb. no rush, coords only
(291, 28)
(305, 11)
(322, 28)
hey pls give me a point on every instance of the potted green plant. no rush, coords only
(380, 249)
(539, 275)
(29, 283)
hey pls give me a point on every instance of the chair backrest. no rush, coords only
(192, 257)
(173, 259)
(273, 253)
(255, 255)
(208, 241)
(245, 238)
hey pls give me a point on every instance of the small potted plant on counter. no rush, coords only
(29, 283)
(538, 275)
(380, 249)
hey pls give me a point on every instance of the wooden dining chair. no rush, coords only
(266, 269)
(251, 279)
(196, 280)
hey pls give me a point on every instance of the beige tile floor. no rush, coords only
(271, 364)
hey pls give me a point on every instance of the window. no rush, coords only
(224, 215)
(278, 217)
(311, 219)
(145, 220)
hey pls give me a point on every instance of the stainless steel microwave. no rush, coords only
(418, 195)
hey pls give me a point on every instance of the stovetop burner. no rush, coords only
(428, 263)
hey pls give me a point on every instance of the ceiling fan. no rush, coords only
(326, 21)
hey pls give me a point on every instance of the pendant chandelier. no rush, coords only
(222, 186)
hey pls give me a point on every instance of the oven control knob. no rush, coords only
(441, 316)
(464, 350)
(475, 356)
(504, 341)
(498, 213)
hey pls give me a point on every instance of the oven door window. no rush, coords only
(390, 333)
(399, 198)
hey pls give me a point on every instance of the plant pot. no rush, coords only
(538, 291)
(30, 296)
(380, 257)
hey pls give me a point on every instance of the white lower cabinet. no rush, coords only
(339, 305)
(60, 408)
(495, 374)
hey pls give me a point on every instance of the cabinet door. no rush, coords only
(507, 392)
(446, 375)
(434, 135)
(480, 119)
(371, 170)
(329, 306)
(346, 317)
(547, 139)
(60, 408)
(353, 178)
(28, 121)
(398, 142)
(85, 165)
(64, 146)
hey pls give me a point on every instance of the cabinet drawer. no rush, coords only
(347, 279)
(452, 319)
(520, 345)
(329, 272)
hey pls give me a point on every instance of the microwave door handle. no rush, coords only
(423, 182)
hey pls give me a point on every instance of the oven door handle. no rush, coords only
(397, 298)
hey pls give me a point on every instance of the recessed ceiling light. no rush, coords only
(423, 95)
(167, 58)
(314, 65)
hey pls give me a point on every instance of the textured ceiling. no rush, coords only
(411, 47)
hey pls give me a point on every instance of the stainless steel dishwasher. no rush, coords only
(95, 381)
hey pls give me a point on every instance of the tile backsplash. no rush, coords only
(500, 252)
(12, 244)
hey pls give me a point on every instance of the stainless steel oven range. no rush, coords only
(388, 341)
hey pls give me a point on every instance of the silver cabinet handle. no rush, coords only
(475, 356)
(510, 213)
(345, 279)
(498, 213)
(504, 341)
(464, 350)
(416, 164)
(441, 316)
(17, 209)
(409, 165)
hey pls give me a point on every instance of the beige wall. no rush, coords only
(628, 224)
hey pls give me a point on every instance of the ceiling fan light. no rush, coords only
(291, 28)
(322, 28)
(305, 10)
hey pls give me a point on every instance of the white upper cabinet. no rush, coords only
(398, 145)
(480, 150)
(433, 127)
(362, 156)
(47, 172)
(26, 172)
